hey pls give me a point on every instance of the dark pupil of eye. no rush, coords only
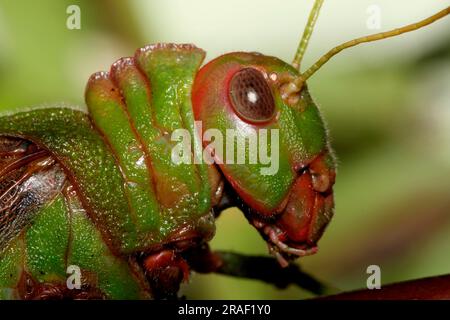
(251, 95)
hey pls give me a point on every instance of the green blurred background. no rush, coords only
(387, 105)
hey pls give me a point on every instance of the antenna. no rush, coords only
(307, 34)
(374, 37)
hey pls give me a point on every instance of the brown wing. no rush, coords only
(29, 178)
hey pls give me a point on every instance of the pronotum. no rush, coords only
(100, 190)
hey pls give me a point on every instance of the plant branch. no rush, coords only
(432, 288)
(261, 268)
(268, 270)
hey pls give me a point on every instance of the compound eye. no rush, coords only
(251, 96)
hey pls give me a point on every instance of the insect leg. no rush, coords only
(165, 271)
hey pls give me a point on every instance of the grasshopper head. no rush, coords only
(268, 138)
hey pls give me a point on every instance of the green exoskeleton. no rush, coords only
(97, 188)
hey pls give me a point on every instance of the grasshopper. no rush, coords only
(100, 189)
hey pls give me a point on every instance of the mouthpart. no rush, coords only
(296, 229)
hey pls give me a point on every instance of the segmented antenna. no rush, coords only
(307, 34)
(374, 37)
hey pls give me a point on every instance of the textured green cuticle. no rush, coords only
(119, 156)
(11, 267)
(170, 72)
(109, 273)
(110, 118)
(47, 242)
(71, 138)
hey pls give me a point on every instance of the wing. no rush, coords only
(29, 179)
(44, 229)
